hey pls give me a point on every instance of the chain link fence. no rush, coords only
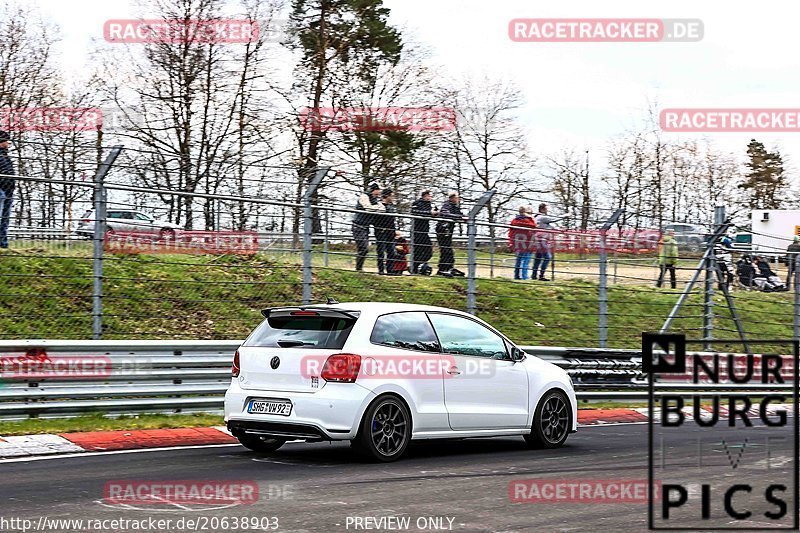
(109, 256)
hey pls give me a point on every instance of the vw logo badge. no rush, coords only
(275, 362)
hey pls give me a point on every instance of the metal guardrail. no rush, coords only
(192, 376)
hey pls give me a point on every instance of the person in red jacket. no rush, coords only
(398, 264)
(521, 240)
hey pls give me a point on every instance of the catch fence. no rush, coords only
(112, 256)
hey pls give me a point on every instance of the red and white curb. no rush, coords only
(100, 441)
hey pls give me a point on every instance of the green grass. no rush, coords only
(47, 294)
(100, 422)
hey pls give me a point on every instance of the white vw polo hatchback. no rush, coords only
(382, 374)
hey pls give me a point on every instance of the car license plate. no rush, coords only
(269, 407)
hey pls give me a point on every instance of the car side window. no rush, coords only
(408, 331)
(462, 336)
(114, 214)
(140, 216)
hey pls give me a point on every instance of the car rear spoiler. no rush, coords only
(324, 311)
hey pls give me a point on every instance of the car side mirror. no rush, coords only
(517, 354)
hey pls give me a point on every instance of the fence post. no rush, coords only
(603, 294)
(718, 233)
(491, 253)
(327, 233)
(708, 299)
(711, 269)
(308, 229)
(472, 256)
(795, 258)
(100, 198)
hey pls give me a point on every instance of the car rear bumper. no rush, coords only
(331, 413)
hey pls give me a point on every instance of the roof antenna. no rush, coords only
(331, 301)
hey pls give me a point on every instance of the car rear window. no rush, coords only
(314, 332)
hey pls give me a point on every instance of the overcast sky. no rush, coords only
(580, 94)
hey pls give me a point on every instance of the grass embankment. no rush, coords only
(48, 295)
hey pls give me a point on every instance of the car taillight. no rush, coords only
(341, 368)
(86, 220)
(235, 367)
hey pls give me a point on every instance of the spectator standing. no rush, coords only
(420, 235)
(792, 258)
(385, 228)
(7, 184)
(367, 206)
(451, 210)
(544, 247)
(520, 239)
(667, 258)
(722, 252)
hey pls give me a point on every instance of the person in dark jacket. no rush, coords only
(792, 260)
(451, 209)
(367, 206)
(420, 236)
(7, 183)
(385, 228)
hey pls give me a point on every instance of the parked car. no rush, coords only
(743, 241)
(690, 237)
(127, 220)
(335, 373)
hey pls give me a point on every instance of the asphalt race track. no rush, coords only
(324, 487)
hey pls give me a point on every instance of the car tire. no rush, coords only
(552, 421)
(260, 444)
(385, 430)
(166, 234)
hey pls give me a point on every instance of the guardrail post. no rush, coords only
(308, 229)
(472, 255)
(100, 200)
(603, 289)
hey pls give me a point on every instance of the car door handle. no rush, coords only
(453, 370)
